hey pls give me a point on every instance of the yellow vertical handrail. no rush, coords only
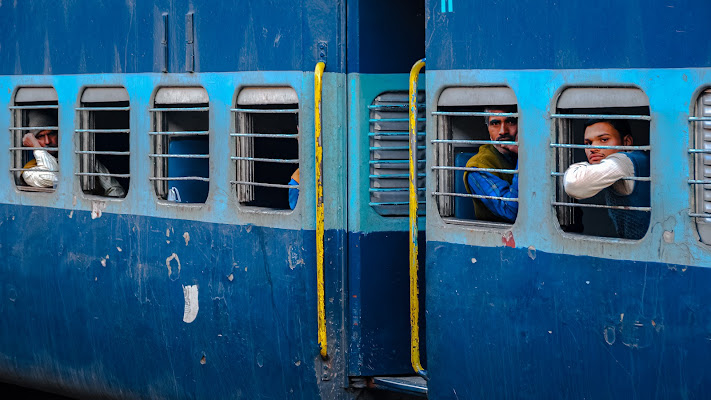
(414, 290)
(318, 84)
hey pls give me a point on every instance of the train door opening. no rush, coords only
(379, 355)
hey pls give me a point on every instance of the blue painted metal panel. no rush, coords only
(96, 306)
(378, 45)
(379, 318)
(49, 37)
(531, 325)
(551, 34)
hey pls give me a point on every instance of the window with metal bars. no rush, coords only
(477, 133)
(700, 153)
(103, 137)
(180, 146)
(35, 112)
(390, 154)
(590, 126)
(266, 147)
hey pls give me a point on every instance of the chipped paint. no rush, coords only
(507, 239)
(170, 268)
(186, 236)
(609, 335)
(230, 277)
(532, 252)
(97, 208)
(668, 236)
(190, 293)
(473, 260)
(119, 249)
(71, 214)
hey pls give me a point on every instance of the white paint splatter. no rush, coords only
(473, 260)
(186, 236)
(103, 262)
(191, 303)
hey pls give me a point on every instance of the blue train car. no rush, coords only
(161, 257)
(164, 253)
(556, 304)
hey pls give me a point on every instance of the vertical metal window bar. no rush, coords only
(389, 153)
(564, 157)
(21, 124)
(161, 144)
(247, 136)
(87, 142)
(444, 164)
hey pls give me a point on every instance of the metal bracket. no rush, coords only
(322, 50)
(189, 43)
(164, 42)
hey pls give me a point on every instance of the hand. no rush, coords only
(29, 140)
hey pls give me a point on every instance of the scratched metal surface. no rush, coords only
(527, 324)
(49, 37)
(553, 34)
(98, 307)
(85, 36)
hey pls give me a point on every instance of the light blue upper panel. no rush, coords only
(221, 205)
(671, 94)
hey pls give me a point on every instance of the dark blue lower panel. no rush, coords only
(509, 323)
(379, 270)
(96, 306)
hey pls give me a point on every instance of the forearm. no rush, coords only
(486, 184)
(584, 180)
(45, 173)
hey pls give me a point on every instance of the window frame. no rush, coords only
(443, 165)
(20, 124)
(263, 100)
(700, 149)
(183, 97)
(592, 97)
(86, 131)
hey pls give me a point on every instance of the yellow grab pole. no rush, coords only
(318, 82)
(414, 290)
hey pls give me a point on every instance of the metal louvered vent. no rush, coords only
(389, 153)
(701, 160)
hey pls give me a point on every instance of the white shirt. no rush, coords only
(584, 180)
(45, 174)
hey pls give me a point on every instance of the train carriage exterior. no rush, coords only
(202, 282)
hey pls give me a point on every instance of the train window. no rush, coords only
(35, 113)
(266, 143)
(701, 166)
(103, 137)
(390, 154)
(180, 154)
(476, 153)
(601, 153)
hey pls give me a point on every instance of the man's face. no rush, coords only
(503, 129)
(47, 138)
(603, 134)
